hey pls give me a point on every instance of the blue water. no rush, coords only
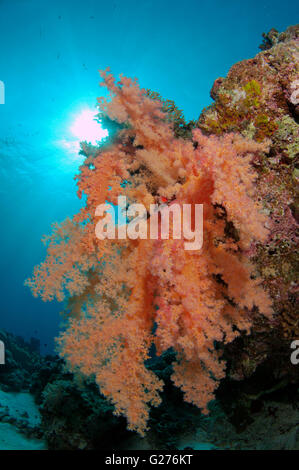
(50, 54)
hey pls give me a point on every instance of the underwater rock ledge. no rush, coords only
(260, 98)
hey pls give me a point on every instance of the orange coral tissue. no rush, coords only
(123, 296)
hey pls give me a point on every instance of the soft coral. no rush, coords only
(126, 295)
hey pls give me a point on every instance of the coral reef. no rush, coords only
(192, 299)
(259, 412)
(20, 424)
(131, 301)
(258, 98)
(69, 413)
(83, 419)
(22, 359)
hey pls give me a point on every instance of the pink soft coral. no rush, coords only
(125, 295)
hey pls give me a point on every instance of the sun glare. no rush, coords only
(85, 127)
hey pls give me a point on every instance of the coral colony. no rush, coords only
(132, 298)
(126, 295)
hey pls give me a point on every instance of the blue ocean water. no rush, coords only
(50, 54)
